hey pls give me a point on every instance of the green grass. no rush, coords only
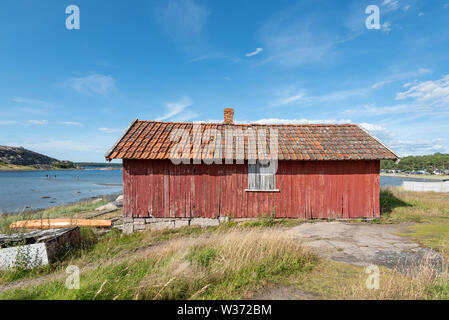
(93, 248)
(202, 267)
(428, 211)
(202, 256)
(13, 167)
(231, 261)
(433, 235)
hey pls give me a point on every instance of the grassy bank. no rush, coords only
(252, 260)
(14, 167)
(429, 211)
(217, 263)
(416, 176)
(225, 262)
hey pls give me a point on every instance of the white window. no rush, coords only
(261, 177)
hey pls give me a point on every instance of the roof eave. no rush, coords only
(378, 140)
(107, 154)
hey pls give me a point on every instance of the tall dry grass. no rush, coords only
(421, 281)
(216, 265)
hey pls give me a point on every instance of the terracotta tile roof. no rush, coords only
(152, 140)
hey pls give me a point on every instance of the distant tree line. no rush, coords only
(63, 165)
(437, 161)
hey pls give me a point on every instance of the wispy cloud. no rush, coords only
(255, 52)
(8, 122)
(379, 132)
(209, 56)
(306, 33)
(72, 123)
(110, 130)
(403, 146)
(301, 97)
(176, 111)
(32, 101)
(391, 5)
(386, 27)
(374, 110)
(94, 84)
(432, 91)
(298, 121)
(184, 22)
(295, 96)
(419, 146)
(399, 76)
(34, 106)
(282, 121)
(38, 122)
(52, 146)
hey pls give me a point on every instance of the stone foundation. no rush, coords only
(131, 225)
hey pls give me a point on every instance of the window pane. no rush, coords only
(261, 177)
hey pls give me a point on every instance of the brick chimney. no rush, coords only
(229, 116)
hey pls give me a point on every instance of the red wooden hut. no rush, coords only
(323, 171)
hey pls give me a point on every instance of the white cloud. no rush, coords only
(38, 122)
(32, 101)
(299, 121)
(397, 76)
(300, 34)
(7, 122)
(209, 56)
(403, 146)
(292, 98)
(52, 146)
(379, 132)
(374, 110)
(110, 130)
(399, 145)
(283, 121)
(418, 147)
(184, 22)
(176, 111)
(391, 5)
(300, 97)
(255, 52)
(94, 84)
(72, 123)
(386, 27)
(436, 92)
(420, 14)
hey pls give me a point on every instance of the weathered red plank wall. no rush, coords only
(307, 189)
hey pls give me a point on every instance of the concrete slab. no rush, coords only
(365, 244)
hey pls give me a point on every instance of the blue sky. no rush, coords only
(70, 93)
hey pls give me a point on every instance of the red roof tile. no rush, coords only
(152, 140)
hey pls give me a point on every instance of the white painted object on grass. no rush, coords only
(424, 186)
(26, 256)
(43, 248)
